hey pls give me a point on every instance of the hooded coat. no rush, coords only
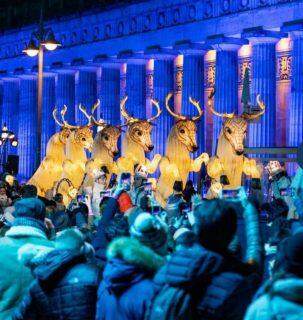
(283, 300)
(127, 285)
(66, 282)
(220, 287)
(15, 278)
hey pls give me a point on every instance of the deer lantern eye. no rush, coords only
(182, 131)
(139, 133)
(83, 139)
(106, 137)
(228, 130)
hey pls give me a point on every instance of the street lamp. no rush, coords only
(40, 39)
(6, 137)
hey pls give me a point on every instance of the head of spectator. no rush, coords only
(215, 224)
(150, 231)
(29, 191)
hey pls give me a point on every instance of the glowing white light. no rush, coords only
(14, 143)
(31, 52)
(51, 46)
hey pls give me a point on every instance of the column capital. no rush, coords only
(221, 42)
(294, 28)
(131, 57)
(260, 35)
(187, 47)
(105, 61)
(157, 52)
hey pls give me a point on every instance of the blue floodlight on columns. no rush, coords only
(86, 91)
(65, 93)
(193, 85)
(226, 79)
(109, 90)
(10, 107)
(262, 132)
(27, 126)
(135, 83)
(163, 84)
(295, 116)
(49, 100)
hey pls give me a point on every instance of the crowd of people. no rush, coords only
(114, 254)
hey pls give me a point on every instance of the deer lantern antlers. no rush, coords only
(137, 141)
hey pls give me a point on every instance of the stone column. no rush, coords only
(110, 95)
(193, 86)
(10, 108)
(136, 89)
(65, 93)
(27, 126)
(163, 84)
(49, 101)
(262, 132)
(295, 115)
(86, 91)
(226, 79)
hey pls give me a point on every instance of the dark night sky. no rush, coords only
(18, 13)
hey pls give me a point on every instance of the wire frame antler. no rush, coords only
(159, 111)
(213, 111)
(197, 105)
(172, 113)
(255, 115)
(61, 124)
(124, 113)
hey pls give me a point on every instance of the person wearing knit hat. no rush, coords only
(150, 231)
(27, 228)
(282, 296)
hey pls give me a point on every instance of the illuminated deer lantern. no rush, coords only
(105, 148)
(177, 163)
(137, 142)
(50, 169)
(79, 140)
(229, 159)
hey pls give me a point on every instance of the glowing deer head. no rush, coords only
(139, 131)
(185, 129)
(82, 135)
(107, 136)
(235, 126)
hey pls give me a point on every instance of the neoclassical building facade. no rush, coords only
(148, 49)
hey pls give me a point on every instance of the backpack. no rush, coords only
(170, 303)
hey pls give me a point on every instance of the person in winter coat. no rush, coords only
(217, 286)
(127, 285)
(111, 225)
(66, 280)
(282, 296)
(27, 228)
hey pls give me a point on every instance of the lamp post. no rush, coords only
(6, 136)
(42, 38)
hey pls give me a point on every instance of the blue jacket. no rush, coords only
(100, 242)
(65, 288)
(283, 299)
(127, 285)
(220, 287)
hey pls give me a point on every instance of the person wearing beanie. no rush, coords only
(127, 286)
(150, 231)
(228, 284)
(27, 228)
(282, 296)
(66, 279)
